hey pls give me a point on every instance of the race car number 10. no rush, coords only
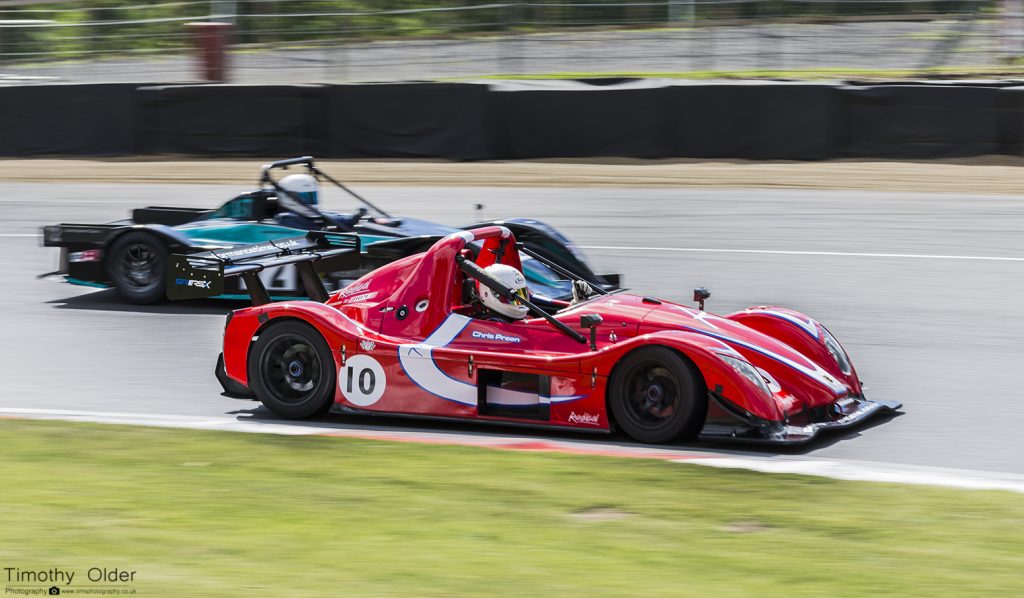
(362, 380)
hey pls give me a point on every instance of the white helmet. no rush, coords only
(302, 186)
(511, 278)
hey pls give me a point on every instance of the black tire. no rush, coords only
(657, 396)
(291, 370)
(136, 264)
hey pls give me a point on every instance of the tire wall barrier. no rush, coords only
(509, 120)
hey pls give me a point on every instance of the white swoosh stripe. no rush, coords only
(417, 360)
(816, 373)
(810, 326)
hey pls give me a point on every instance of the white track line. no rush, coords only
(831, 468)
(864, 471)
(19, 234)
(918, 256)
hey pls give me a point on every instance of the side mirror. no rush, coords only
(700, 294)
(591, 321)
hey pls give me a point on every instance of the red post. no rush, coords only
(211, 42)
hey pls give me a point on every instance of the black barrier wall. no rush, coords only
(927, 122)
(780, 122)
(515, 120)
(73, 120)
(414, 120)
(242, 120)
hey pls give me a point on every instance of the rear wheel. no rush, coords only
(291, 370)
(136, 263)
(657, 396)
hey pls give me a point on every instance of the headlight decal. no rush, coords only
(773, 384)
(833, 346)
(747, 370)
(811, 369)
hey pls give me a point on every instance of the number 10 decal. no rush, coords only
(362, 380)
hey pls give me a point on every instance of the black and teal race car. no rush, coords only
(131, 255)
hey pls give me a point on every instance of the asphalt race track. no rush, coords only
(925, 292)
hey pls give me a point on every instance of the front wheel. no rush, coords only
(657, 396)
(291, 370)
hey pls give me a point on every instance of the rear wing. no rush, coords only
(199, 275)
(94, 235)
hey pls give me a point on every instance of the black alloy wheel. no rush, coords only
(291, 370)
(657, 395)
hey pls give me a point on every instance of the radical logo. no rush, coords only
(590, 419)
(353, 289)
(188, 282)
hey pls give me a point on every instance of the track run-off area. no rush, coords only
(923, 290)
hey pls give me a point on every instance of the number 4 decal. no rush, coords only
(362, 380)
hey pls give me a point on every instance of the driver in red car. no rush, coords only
(499, 309)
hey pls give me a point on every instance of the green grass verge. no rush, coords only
(212, 513)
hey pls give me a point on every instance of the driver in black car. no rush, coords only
(305, 189)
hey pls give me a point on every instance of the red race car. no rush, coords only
(413, 338)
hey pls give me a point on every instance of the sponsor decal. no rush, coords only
(258, 248)
(590, 419)
(361, 380)
(89, 255)
(353, 289)
(366, 345)
(363, 297)
(496, 336)
(189, 282)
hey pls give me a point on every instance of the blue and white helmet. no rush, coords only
(303, 187)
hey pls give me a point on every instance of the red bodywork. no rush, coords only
(403, 343)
